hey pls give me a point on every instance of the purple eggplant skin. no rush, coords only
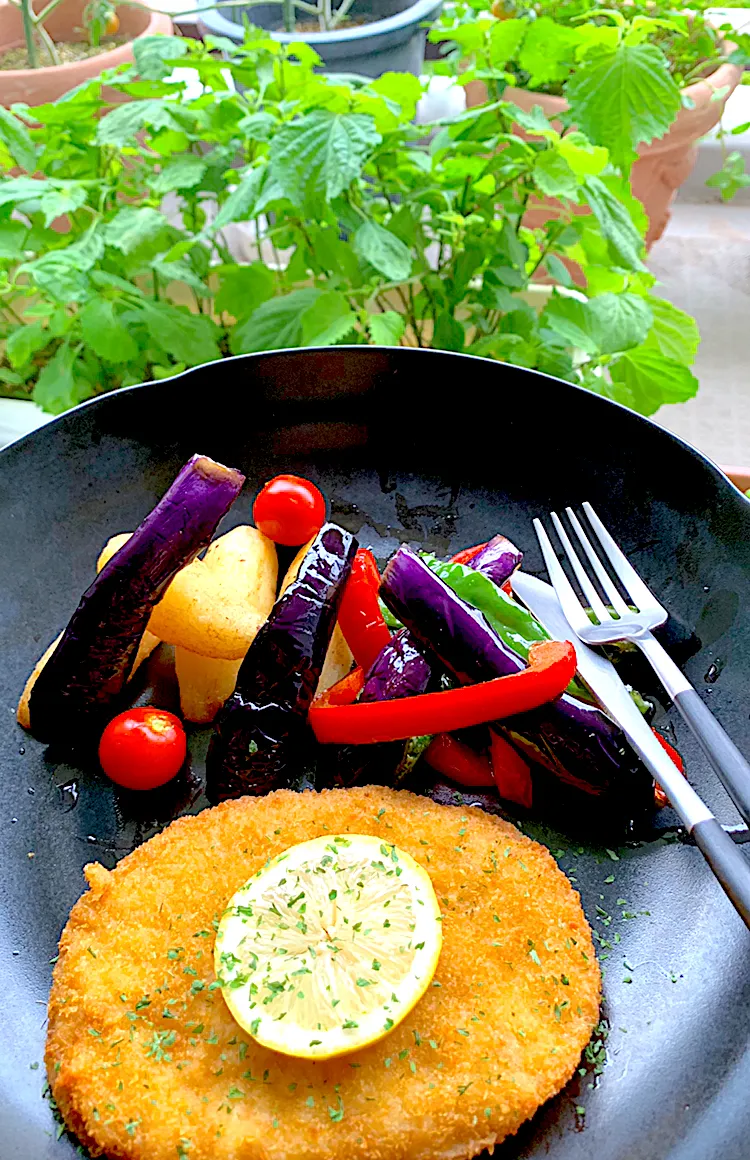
(399, 670)
(260, 734)
(498, 560)
(402, 670)
(576, 742)
(88, 669)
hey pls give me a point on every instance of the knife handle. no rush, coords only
(728, 863)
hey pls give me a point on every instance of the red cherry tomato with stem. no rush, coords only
(289, 510)
(143, 748)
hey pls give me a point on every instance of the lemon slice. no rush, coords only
(329, 946)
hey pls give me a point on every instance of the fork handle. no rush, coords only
(719, 748)
(728, 863)
(721, 751)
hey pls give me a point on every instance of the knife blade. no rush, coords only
(602, 677)
(727, 862)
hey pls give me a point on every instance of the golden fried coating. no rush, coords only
(146, 1063)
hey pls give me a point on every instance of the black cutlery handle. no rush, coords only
(720, 750)
(728, 863)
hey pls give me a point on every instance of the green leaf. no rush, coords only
(18, 140)
(620, 321)
(104, 278)
(276, 324)
(648, 380)
(188, 338)
(241, 203)
(152, 52)
(328, 320)
(12, 238)
(60, 199)
(24, 342)
(321, 154)
(585, 159)
(622, 98)
(62, 273)
(554, 176)
(183, 172)
(66, 112)
(57, 387)
(449, 333)
(602, 325)
(122, 124)
(505, 39)
(547, 54)
(616, 224)
(674, 333)
(400, 87)
(258, 126)
(731, 177)
(19, 189)
(383, 250)
(534, 121)
(131, 226)
(558, 271)
(180, 270)
(243, 288)
(103, 331)
(620, 188)
(386, 329)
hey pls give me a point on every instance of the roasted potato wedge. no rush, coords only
(205, 683)
(215, 606)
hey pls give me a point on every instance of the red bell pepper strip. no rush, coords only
(449, 756)
(551, 667)
(360, 618)
(512, 774)
(345, 691)
(659, 795)
(467, 554)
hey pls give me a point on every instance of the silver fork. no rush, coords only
(634, 624)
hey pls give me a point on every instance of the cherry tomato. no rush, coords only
(112, 24)
(289, 510)
(142, 748)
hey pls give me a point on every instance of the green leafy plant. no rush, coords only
(365, 227)
(621, 68)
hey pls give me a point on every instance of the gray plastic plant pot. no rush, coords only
(392, 42)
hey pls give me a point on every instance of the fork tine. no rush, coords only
(566, 594)
(602, 575)
(640, 593)
(601, 612)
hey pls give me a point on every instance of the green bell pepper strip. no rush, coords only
(513, 623)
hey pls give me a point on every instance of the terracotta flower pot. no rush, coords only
(39, 85)
(663, 165)
(740, 476)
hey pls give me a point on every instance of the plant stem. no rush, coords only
(28, 31)
(42, 16)
(287, 9)
(341, 12)
(48, 42)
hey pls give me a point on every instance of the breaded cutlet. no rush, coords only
(146, 1062)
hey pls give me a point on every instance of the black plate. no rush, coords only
(441, 451)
